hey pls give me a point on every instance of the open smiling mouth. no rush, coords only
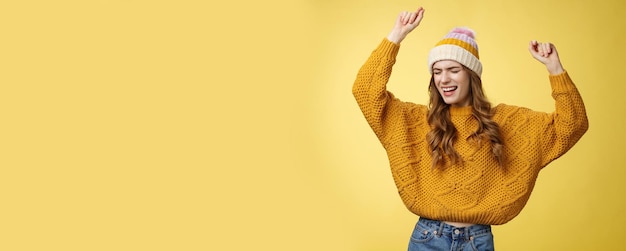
(448, 90)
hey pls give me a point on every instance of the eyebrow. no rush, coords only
(449, 68)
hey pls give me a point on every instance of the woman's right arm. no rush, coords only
(370, 86)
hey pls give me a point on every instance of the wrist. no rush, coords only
(555, 69)
(395, 38)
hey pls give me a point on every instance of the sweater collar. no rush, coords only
(460, 111)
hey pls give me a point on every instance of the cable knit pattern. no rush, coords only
(475, 190)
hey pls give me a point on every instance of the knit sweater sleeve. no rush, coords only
(556, 132)
(381, 109)
(568, 121)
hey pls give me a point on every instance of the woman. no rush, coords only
(459, 163)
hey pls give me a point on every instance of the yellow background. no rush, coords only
(229, 125)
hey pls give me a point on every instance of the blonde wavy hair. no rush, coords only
(442, 136)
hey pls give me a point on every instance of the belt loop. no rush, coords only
(467, 234)
(440, 232)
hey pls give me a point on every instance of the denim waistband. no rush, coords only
(441, 228)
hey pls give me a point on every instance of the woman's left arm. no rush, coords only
(569, 121)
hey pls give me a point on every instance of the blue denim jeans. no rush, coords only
(436, 235)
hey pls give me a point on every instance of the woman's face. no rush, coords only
(452, 82)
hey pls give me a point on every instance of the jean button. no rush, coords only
(456, 231)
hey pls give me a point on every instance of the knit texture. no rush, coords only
(475, 190)
(458, 45)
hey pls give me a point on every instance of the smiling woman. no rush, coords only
(449, 161)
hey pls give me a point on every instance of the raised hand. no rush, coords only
(405, 23)
(546, 54)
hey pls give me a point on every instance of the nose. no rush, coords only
(444, 78)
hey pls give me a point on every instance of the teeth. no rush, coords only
(447, 89)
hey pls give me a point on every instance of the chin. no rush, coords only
(449, 102)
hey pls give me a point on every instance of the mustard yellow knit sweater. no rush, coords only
(476, 190)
